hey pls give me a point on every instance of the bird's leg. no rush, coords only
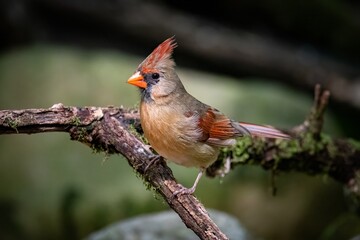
(191, 190)
(153, 159)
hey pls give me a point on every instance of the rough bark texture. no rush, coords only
(114, 130)
(107, 129)
(310, 151)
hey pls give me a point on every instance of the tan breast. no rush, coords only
(174, 136)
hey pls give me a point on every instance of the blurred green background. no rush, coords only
(54, 188)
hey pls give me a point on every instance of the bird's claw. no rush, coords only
(152, 161)
(182, 191)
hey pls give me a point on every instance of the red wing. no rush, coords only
(216, 125)
(219, 130)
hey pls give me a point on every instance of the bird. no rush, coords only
(178, 126)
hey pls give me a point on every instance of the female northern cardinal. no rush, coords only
(178, 126)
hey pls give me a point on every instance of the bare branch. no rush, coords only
(310, 151)
(107, 129)
(314, 122)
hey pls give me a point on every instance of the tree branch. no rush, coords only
(107, 129)
(310, 151)
(113, 130)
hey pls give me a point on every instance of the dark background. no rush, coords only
(261, 60)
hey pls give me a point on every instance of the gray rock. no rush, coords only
(165, 226)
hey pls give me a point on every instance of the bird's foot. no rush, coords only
(155, 159)
(187, 191)
(183, 191)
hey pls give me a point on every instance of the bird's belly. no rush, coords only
(182, 152)
(174, 139)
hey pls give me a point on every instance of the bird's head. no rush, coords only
(156, 76)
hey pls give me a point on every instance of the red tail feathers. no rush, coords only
(264, 131)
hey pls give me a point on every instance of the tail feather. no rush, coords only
(264, 131)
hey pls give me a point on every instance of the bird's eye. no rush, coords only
(155, 76)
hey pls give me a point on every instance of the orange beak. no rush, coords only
(137, 80)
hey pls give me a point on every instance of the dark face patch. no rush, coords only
(151, 78)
